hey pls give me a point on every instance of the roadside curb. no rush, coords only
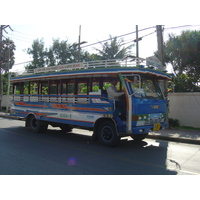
(182, 140)
(9, 117)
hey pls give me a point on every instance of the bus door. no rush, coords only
(126, 80)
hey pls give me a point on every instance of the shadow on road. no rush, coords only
(128, 158)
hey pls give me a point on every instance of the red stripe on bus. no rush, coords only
(69, 119)
(30, 105)
(60, 106)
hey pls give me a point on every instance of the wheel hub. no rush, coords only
(107, 133)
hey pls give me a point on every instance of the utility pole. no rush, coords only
(163, 84)
(1, 57)
(79, 44)
(137, 45)
(160, 44)
(2, 28)
(160, 53)
(8, 88)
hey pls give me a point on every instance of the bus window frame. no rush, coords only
(82, 81)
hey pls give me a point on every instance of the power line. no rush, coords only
(18, 39)
(117, 37)
(26, 38)
(140, 38)
(22, 63)
(25, 34)
(183, 26)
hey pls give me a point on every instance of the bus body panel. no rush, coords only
(75, 114)
(142, 114)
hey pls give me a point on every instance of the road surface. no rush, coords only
(23, 152)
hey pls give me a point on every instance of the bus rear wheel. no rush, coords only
(37, 125)
(107, 134)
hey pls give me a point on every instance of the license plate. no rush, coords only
(156, 127)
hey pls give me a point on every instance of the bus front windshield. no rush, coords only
(142, 87)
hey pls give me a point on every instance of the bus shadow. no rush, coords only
(141, 158)
(152, 157)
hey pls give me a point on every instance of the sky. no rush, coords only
(24, 35)
(98, 19)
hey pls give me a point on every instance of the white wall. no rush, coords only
(186, 108)
(6, 99)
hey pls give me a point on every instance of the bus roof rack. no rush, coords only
(126, 62)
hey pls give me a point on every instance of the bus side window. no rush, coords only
(26, 88)
(82, 86)
(34, 88)
(70, 86)
(106, 83)
(44, 87)
(16, 88)
(95, 85)
(64, 87)
(53, 87)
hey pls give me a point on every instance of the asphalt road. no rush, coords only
(55, 153)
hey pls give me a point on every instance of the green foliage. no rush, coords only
(106, 85)
(185, 83)
(183, 53)
(174, 122)
(114, 49)
(38, 53)
(95, 88)
(8, 48)
(62, 52)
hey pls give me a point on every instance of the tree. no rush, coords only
(8, 59)
(58, 53)
(183, 53)
(62, 52)
(184, 83)
(114, 49)
(38, 53)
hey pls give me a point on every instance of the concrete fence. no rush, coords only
(186, 108)
(6, 100)
(182, 106)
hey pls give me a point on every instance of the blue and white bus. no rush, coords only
(74, 95)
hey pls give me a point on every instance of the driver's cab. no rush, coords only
(145, 101)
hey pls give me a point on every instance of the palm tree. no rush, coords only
(113, 49)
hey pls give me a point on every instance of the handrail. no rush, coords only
(92, 64)
(75, 99)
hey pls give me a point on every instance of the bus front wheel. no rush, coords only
(107, 134)
(37, 125)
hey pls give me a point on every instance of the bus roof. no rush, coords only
(90, 69)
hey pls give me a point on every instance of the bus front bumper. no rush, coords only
(147, 129)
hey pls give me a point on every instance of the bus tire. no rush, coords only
(107, 134)
(139, 137)
(37, 125)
